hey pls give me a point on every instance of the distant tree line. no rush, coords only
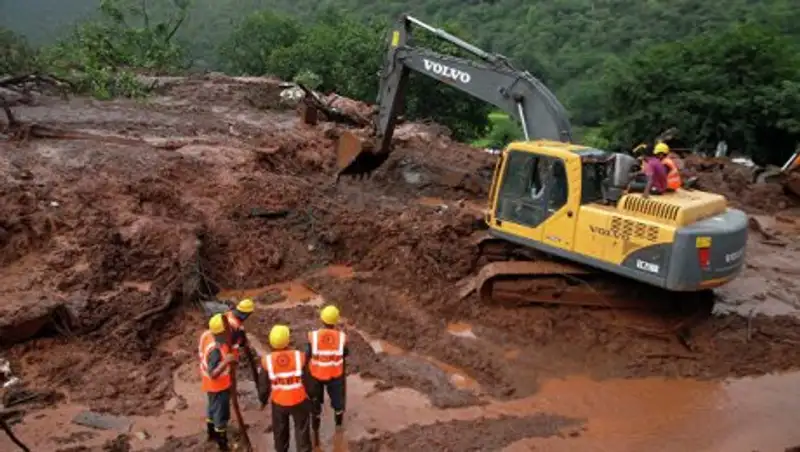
(716, 72)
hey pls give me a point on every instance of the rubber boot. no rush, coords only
(315, 423)
(211, 435)
(339, 419)
(222, 440)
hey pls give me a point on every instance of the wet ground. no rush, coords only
(108, 248)
(570, 413)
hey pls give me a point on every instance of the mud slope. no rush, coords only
(108, 244)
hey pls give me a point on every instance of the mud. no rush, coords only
(476, 435)
(735, 182)
(107, 248)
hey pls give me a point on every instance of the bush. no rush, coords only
(740, 86)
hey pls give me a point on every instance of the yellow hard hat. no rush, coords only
(279, 336)
(661, 148)
(330, 315)
(216, 324)
(246, 306)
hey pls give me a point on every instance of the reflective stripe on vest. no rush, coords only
(327, 356)
(209, 383)
(287, 383)
(673, 175)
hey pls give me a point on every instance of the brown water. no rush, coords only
(672, 415)
(756, 414)
(294, 293)
(622, 415)
(461, 329)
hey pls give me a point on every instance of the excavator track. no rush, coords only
(518, 276)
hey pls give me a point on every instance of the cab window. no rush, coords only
(531, 189)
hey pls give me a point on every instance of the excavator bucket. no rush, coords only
(356, 156)
(348, 148)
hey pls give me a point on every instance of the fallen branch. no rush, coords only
(163, 307)
(24, 131)
(5, 414)
(17, 82)
(311, 100)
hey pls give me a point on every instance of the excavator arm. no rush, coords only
(490, 77)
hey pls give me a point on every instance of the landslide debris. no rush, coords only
(474, 435)
(105, 246)
(735, 181)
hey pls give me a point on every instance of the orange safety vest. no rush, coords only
(285, 371)
(327, 353)
(673, 175)
(207, 345)
(236, 325)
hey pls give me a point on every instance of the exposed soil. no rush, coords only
(107, 246)
(484, 434)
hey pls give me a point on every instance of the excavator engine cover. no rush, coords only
(356, 156)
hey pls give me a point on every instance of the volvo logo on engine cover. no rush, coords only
(446, 71)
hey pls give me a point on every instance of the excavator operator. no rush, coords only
(673, 174)
(652, 179)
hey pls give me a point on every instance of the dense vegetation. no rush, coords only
(725, 70)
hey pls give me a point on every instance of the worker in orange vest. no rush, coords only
(281, 381)
(215, 361)
(327, 348)
(236, 318)
(673, 174)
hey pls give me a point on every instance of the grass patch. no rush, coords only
(502, 130)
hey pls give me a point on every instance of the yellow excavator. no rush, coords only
(562, 228)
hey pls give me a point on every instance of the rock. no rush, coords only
(142, 435)
(181, 356)
(103, 421)
(177, 403)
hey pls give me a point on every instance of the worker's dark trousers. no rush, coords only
(219, 409)
(301, 416)
(335, 388)
(217, 416)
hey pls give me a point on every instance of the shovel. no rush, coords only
(248, 447)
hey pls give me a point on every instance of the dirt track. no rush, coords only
(112, 243)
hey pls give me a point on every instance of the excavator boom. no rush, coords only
(490, 77)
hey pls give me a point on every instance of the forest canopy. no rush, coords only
(625, 70)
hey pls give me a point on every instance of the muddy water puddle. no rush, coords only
(461, 329)
(289, 294)
(670, 415)
(652, 414)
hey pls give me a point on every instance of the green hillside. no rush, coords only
(565, 42)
